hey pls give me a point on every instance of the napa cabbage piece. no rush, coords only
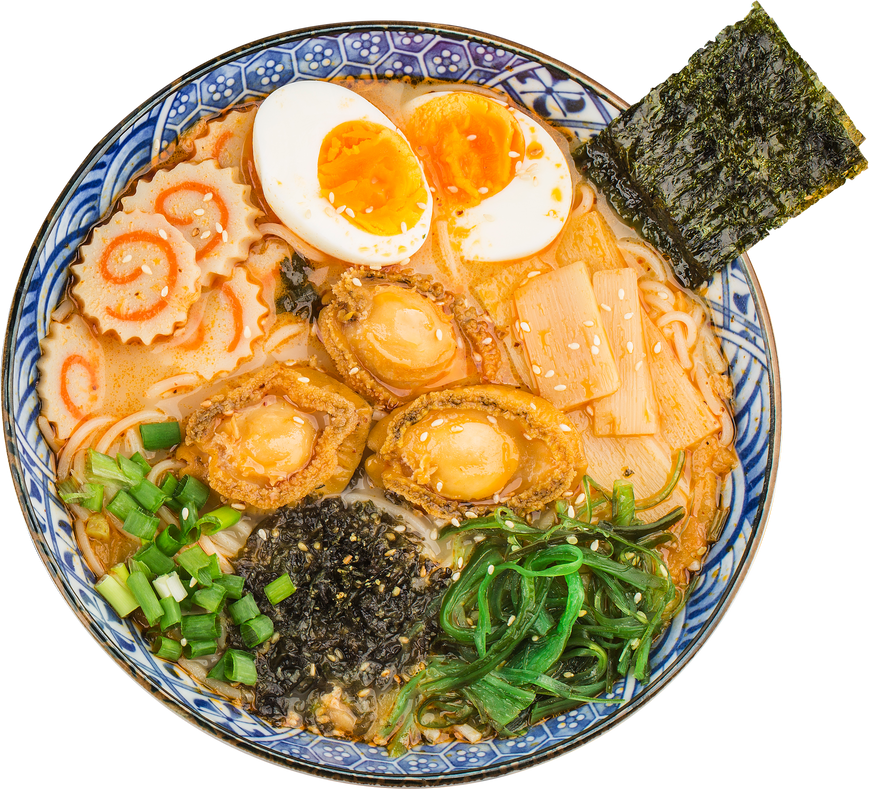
(742, 139)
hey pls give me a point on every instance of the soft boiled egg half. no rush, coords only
(501, 176)
(339, 174)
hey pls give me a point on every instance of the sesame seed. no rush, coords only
(471, 137)
(535, 638)
(514, 154)
(657, 348)
(162, 234)
(483, 190)
(207, 197)
(491, 569)
(147, 269)
(549, 374)
(332, 198)
(630, 347)
(404, 227)
(126, 258)
(298, 420)
(487, 341)
(456, 429)
(532, 274)
(525, 326)
(439, 334)
(185, 513)
(595, 350)
(453, 189)
(263, 534)
(199, 211)
(527, 436)
(354, 370)
(565, 428)
(560, 388)
(637, 597)
(351, 213)
(595, 545)
(574, 346)
(224, 236)
(492, 419)
(510, 524)
(364, 692)
(247, 332)
(511, 620)
(461, 562)
(303, 380)
(455, 522)
(433, 534)
(183, 642)
(341, 209)
(533, 406)
(589, 410)
(439, 486)
(218, 227)
(588, 323)
(422, 206)
(357, 282)
(663, 295)
(369, 209)
(571, 513)
(638, 365)
(572, 540)
(470, 514)
(424, 437)
(580, 498)
(629, 315)
(205, 235)
(606, 307)
(165, 292)
(621, 294)
(497, 498)
(567, 675)
(596, 340)
(437, 423)
(456, 576)
(536, 369)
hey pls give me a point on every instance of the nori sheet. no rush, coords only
(738, 142)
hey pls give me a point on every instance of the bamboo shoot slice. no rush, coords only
(209, 206)
(684, 416)
(72, 375)
(587, 237)
(566, 346)
(631, 410)
(138, 277)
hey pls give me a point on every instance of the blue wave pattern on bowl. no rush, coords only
(367, 52)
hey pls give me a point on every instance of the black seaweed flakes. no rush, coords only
(738, 142)
(364, 611)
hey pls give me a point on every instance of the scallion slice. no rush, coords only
(137, 566)
(195, 649)
(160, 435)
(167, 648)
(159, 563)
(213, 566)
(234, 585)
(170, 541)
(217, 670)
(279, 589)
(218, 520)
(196, 562)
(104, 467)
(142, 462)
(141, 525)
(170, 585)
(171, 613)
(117, 595)
(131, 470)
(169, 484)
(211, 599)
(120, 572)
(148, 495)
(142, 590)
(200, 627)
(257, 630)
(121, 505)
(93, 496)
(244, 610)
(192, 491)
(239, 666)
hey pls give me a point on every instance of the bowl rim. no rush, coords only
(286, 760)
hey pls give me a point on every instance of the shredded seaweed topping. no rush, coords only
(364, 613)
(738, 142)
(297, 295)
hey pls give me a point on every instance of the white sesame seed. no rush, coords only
(568, 675)
(574, 346)
(533, 406)
(532, 274)
(491, 569)
(237, 505)
(589, 410)
(471, 137)
(638, 365)
(437, 423)
(298, 420)
(596, 340)
(483, 190)
(453, 189)
(526, 327)
(497, 498)
(595, 545)
(433, 534)
(332, 198)
(357, 282)
(621, 294)
(303, 380)
(455, 522)
(487, 341)
(421, 206)
(185, 513)
(510, 524)
(369, 209)
(565, 428)
(224, 236)
(439, 334)
(629, 315)
(456, 576)
(218, 227)
(341, 209)
(165, 292)
(549, 373)
(560, 388)
(354, 371)
(630, 347)
(456, 429)
(595, 350)
(470, 514)
(263, 534)
(665, 296)
(536, 369)
(461, 562)
(162, 233)
(588, 323)
(199, 211)
(404, 227)
(580, 498)
(183, 642)
(572, 540)
(146, 269)
(126, 258)
(492, 419)
(424, 437)
(657, 348)
(351, 213)
(511, 620)
(207, 197)
(606, 307)
(637, 597)
(439, 486)
(535, 638)
(514, 154)
(247, 332)
(571, 512)
(205, 234)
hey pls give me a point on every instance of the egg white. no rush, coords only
(288, 132)
(525, 216)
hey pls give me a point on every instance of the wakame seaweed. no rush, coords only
(297, 295)
(364, 611)
(738, 142)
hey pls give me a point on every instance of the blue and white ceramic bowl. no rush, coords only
(556, 92)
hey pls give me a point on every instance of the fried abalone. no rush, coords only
(476, 447)
(277, 435)
(394, 335)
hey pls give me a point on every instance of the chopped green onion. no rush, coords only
(97, 527)
(192, 491)
(195, 649)
(142, 590)
(167, 648)
(158, 561)
(168, 541)
(239, 667)
(120, 572)
(196, 562)
(217, 670)
(200, 627)
(131, 470)
(94, 493)
(121, 505)
(218, 520)
(170, 483)
(142, 462)
(117, 594)
(160, 435)
(170, 586)
(244, 610)
(104, 467)
(188, 520)
(279, 589)
(214, 565)
(141, 525)
(141, 567)
(148, 495)
(211, 599)
(234, 585)
(257, 630)
(171, 613)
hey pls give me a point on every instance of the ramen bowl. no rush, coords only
(564, 97)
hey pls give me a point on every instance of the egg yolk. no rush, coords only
(405, 340)
(463, 456)
(369, 173)
(470, 144)
(269, 441)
